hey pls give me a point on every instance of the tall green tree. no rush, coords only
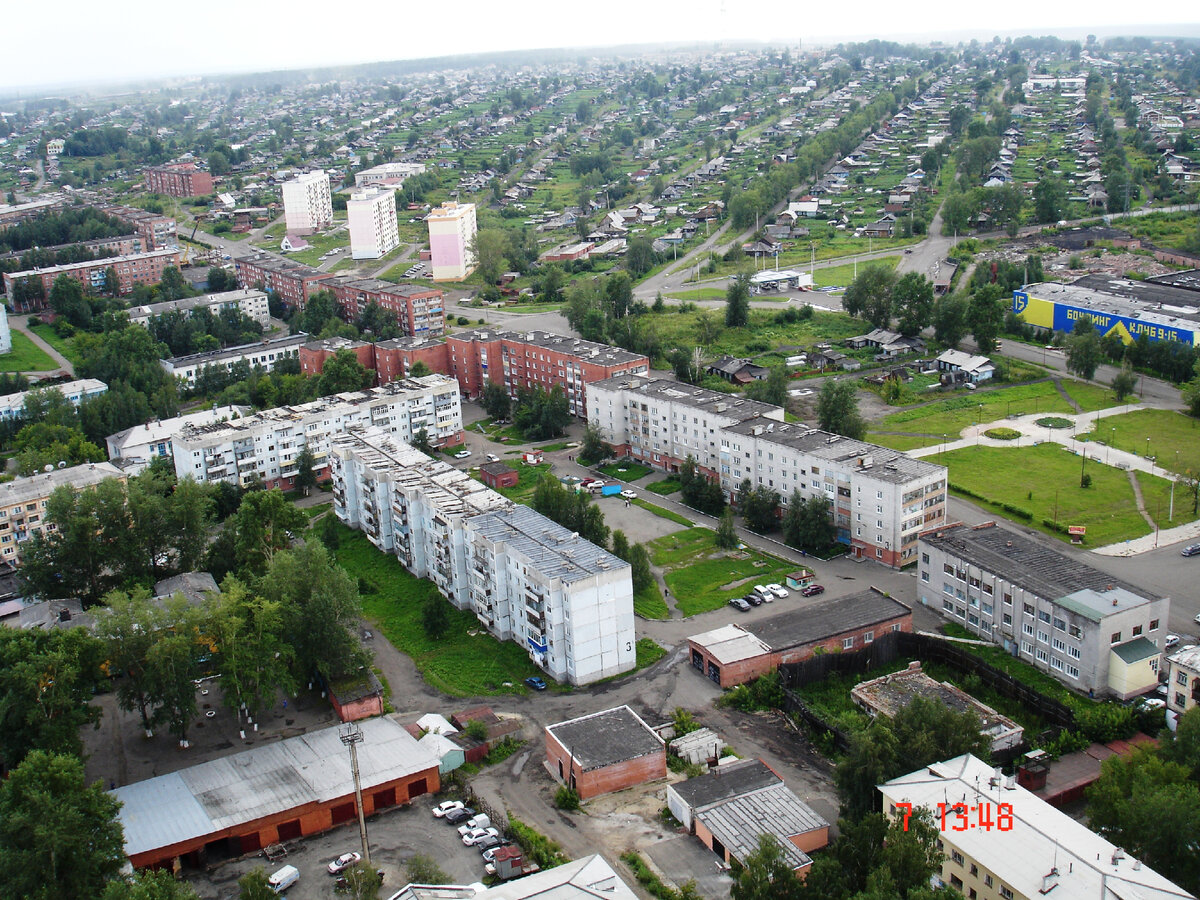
(869, 296)
(1124, 383)
(491, 249)
(593, 448)
(129, 624)
(320, 308)
(496, 401)
(737, 301)
(639, 561)
(807, 524)
(263, 525)
(68, 301)
(837, 409)
(306, 470)
(541, 414)
(727, 536)
(173, 664)
(149, 884)
(1049, 199)
(254, 660)
(774, 389)
(1084, 350)
(950, 319)
(766, 874)
(759, 505)
(59, 837)
(343, 372)
(985, 316)
(912, 301)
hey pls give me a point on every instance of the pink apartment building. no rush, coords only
(451, 233)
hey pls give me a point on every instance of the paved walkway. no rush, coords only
(17, 323)
(975, 435)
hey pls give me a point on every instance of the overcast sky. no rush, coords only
(88, 41)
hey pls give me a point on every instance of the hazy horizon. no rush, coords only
(135, 41)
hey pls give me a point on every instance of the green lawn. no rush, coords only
(649, 603)
(65, 346)
(648, 653)
(704, 293)
(467, 662)
(1174, 437)
(1044, 478)
(26, 356)
(842, 276)
(527, 479)
(504, 434)
(663, 513)
(664, 486)
(703, 578)
(762, 335)
(625, 471)
(927, 424)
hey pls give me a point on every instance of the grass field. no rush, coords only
(835, 276)
(703, 578)
(649, 603)
(527, 479)
(648, 652)
(26, 356)
(625, 471)
(467, 662)
(665, 486)
(762, 335)
(65, 346)
(928, 423)
(703, 293)
(663, 513)
(1174, 437)
(1045, 481)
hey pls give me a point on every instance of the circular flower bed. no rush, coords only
(1055, 422)
(1002, 434)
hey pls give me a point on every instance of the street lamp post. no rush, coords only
(351, 736)
(1147, 448)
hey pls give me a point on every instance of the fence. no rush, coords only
(888, 649)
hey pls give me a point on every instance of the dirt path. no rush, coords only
(1137, 495)
(1062, 392)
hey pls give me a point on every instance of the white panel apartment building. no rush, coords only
(263, 448)
(392, 173)
(661, 423)
(13, 405)
(1082, 626)
(250, 303)
(374, 231)
(881, 500)
(307, 203)
(139, 446)
(263, 355)
(529, 580)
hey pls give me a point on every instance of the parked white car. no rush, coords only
(475, 835)
(462, 454)
(778, 590)
(447, 806)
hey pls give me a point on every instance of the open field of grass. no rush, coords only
(649, 603)
(703, 578)
(65, 346)
(762, 335)
(663, 513)
(950, 417)
(527, 479)
(1044, 481)
(1174, 437)
(467, 662)
(25, 356)
(665, 486)
(702, 293)
(835, 276)
(625, 471)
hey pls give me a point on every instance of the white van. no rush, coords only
(284, 879)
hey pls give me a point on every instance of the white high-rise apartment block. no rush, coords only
(5, 331)
(262, 449)
(529, 580)
(451, 236)
(307, 203)
(374, 231)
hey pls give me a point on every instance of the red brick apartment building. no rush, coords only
(132, 270)
(419, 311)
(157, 232)
(525, 359)
(391, 360)
(178, 180)
(292, 282)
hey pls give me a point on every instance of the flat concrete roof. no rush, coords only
(606, 738)
(807, 624)
(730, 644)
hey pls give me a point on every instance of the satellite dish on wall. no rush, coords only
(48, 468)
(62, 463)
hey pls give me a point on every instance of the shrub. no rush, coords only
(543, 851)
(566, 798)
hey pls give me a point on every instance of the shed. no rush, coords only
(449, 754)
(499, 475)
(605, 752)
(698, 747)
(800, 578)
(357, 698)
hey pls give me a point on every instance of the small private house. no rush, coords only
(958, 367)
(730, 807)
(605, 752)
(737, 371)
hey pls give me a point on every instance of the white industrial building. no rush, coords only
(263, 448)
(528, 579)
(13, 405)
(137, 447)
(880, 499)
(250, 303)
(1023, 850)
(307, 203)
(391, 174)
(263, 355)
(374, 231)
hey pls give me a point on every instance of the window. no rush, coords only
(1116, 638)
(1154, 624)
(1044, 616)
(974, 870)
(1043, 637)
(1008, 599)
(925, 558)
(848, 643)
(1042, 655)
(1027, 628)
(1007, 619)
(973, 619)
(1076, 632)
(1137, 630)
(1179, 700)
(1059, 645)
(1026, 647)
(947, 606)
(1028, 609)
(1056, 663)
(947, 568)
(1073, 652)
(1181, 678)
(987, 880)
(1073, 671)
(956, 856)
(947, 588)
(1060, 624)
(925, 577)
(1006, 892)
(868, 636)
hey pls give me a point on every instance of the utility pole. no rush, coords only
(351, 735)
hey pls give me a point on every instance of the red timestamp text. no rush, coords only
(966, 816)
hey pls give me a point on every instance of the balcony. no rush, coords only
(537, 642)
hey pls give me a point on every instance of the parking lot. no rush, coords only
(395, 836)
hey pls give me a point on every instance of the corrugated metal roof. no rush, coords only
(223, 793)
(737, 823)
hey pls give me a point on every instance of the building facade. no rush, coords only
(292, 282)
(250, 303)
(179, 180)
(132, 270)
(139, 446)
(5, 330)
(23, 502)
(374, 231)
(1183, 682)
(537, 359)
(392, 174)
(1014, 845)
(12, 406)
(419, 311)
(263, 448)
(307, 203)
(527, 579)
(1081, 626)
(265, 355)
(451, 238)
(156, 231)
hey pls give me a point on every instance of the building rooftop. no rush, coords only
(1033, 566)
(1172, 304)
(266, 780)
(81, 387)
(731, 643)
(204, 300)
(496, 468)
(726, 781)
(165, 428)
(556, 552)
(589, 878)
(1095, 605)
(1044, 850)
(730, 406)
(377, 286)
(213, 356)
(606, 738)
(195, 587)
(1188, 658)
(823, 619)
(878, 462)
(588, 351)
(36, 487)
(106, 262)
(740, 821)
(415, 342)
